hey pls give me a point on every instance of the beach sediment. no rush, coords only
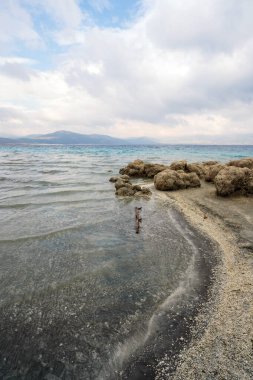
(170, 328)
(221, 346)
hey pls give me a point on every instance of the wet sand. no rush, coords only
(170, 328)
(222, 338)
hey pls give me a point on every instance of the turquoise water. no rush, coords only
(162, 153)
(80, 293)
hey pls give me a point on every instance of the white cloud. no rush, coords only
(100, 5)
(181, 69)
(66, 12)
(16, 24)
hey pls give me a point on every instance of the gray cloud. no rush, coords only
(16, 70)
(213, 25)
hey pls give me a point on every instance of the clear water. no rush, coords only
(80, 292)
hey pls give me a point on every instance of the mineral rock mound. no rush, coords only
(139, 168)
(208, 163)
(174, 180)
(199, 169)
(195, 167)
(235, 176)
(242, 163)
(233, 179)
(178, 165)
(212, 171)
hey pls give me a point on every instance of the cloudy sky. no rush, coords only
(175, 70)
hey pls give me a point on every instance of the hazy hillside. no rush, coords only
(66, 137)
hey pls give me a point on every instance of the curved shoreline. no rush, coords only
(170, 328)
(221, 347)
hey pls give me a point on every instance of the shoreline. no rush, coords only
(172, 323)
(221, 344)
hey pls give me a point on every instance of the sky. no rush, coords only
(179, 71)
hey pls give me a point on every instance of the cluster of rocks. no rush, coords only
(125, 188)
(235, 176)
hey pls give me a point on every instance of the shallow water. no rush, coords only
(81, 295)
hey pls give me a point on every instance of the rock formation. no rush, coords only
(174, 180)
(235, 176)
(125, 188)
(242, 163)
(139, 168)
(178, 165)
(197, 168)
(212, 171)
(233, 179)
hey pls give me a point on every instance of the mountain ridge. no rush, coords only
(73, 138)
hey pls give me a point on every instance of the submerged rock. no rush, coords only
(113, 179)
(146, 191)
(233, 179)
(129, 190)
(122, 177)
(120, 183)
(125, 191)
(125, 188)
(137, 187)
(125, 177)
(174, 180)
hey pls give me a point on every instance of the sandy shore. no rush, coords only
(222, 344)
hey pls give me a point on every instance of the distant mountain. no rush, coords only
(4, 140)
(72, 138)
(66, 137)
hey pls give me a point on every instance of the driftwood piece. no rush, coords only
(138, 219)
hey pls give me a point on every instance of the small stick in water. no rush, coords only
(138, 219)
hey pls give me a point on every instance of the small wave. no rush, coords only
(65, 202)
(43, 235)
(70, 192)
(47, 183)
(62, 192)
(53, 171)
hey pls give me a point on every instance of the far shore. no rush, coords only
(224, 348)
